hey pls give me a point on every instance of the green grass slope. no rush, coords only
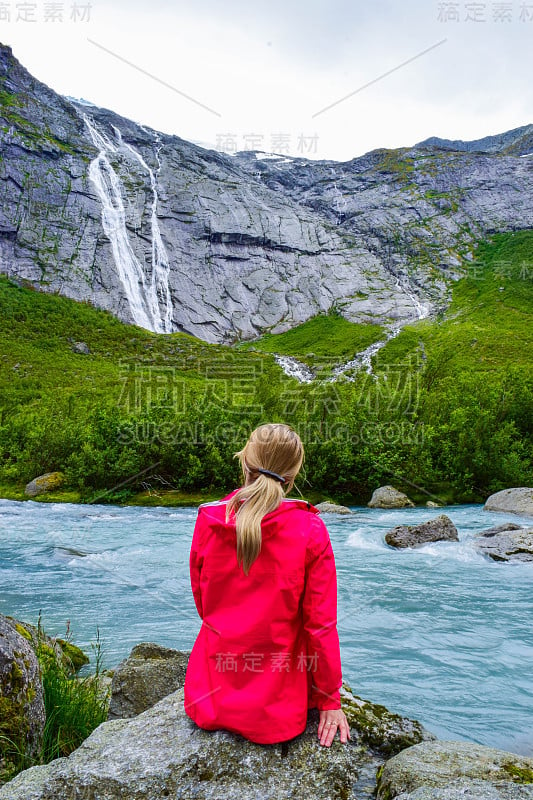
(157, 419)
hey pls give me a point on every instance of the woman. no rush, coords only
(264, 582)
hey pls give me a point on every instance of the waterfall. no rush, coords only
(159, 295)
(145, 302)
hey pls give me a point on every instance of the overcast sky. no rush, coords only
(258, 75)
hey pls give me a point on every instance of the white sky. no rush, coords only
(267, 67)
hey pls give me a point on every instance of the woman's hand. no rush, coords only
(330, 721)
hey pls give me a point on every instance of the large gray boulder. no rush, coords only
(389, 497)
(48, 482)
(513, 501)
(146, 676)
(435, 530)
(441, 770)
(333, 508)
(508, 544)
(162, 753)
(22, 713)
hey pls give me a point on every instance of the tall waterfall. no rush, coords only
(148, 297)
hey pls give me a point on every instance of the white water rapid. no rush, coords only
(149, 297)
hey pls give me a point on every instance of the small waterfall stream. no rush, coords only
(361, 361)
(149, 300)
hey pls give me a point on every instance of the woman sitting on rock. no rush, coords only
(264, 582)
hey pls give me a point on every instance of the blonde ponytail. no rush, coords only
(276, 448)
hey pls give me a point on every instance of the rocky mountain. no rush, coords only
(172, 237)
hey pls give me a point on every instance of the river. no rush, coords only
(439, 633)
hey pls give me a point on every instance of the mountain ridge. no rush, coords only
(169, 235)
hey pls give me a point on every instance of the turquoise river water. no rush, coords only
(439, 633)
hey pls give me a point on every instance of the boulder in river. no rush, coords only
(333, 508)
(510, 544)
(48, 482)
(148, 674)
(22, 714)
(389, 497)
(162, 753)
(442, 770)
(514, 501)
(435, 530)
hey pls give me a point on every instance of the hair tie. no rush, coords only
(275, 475)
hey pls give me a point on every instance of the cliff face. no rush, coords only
(174, 237)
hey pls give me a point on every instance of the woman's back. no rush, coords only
(269, 637)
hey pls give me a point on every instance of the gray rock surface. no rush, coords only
(22, 713)
(162, 753)
(514, 501)
(474, 790)
(441, 769)
(146, 676)
(435, 530)
(333, 508)
(507, 545)
(389, 497)
(44, 483)
(248, 245)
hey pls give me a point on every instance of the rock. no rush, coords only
(514, 501)
(440, 529)
(441, 770)
(333, 508)
(72, 656)
(81, 347)
(22, 715)
(379, 728)
(432, 504)
(148, 674)
(162, 753)
(44, 483)
(389, 497)
(509, 544)
(509, 526)
(474, 789)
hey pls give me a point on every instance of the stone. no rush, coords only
(440, 529)
(22, 715)
(508, 526)
(389, 497)
(71, 655)
(333, 508)
(474, 789)
(441, 769)
(162, 753)
(377, 727)
(81, 347)
(509, 544)
(48, 482)
(432, 504)
(514, 501)
(147, 675)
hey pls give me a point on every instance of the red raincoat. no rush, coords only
(268, 648)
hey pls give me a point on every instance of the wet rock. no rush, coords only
(509, 526)
(389, 497)
(333, 508)
(145, 677)
(22, 713)
(509, 544)
(44, 483)
(515, 501)
(442, 769)
(435, 530)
